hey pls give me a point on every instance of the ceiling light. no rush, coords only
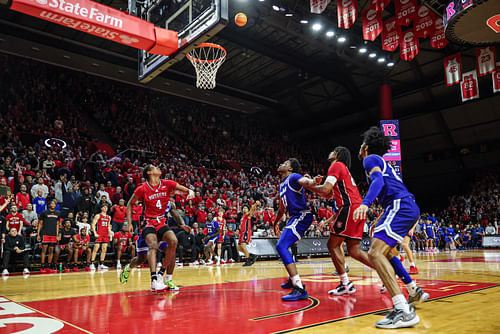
(352, 47)
(330, 33)
(363, 50)
(372, 55)
(342, 39)
(391, 64)
(381, 60)
(276, 8)
(304, 21)
(288, 14)
(317, 27)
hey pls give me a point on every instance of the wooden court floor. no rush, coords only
(464, 288)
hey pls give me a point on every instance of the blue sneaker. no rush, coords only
(296, 294)
(287, 285)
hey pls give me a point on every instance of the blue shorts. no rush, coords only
(397, 220)
(142, 246)
(299, 224)
(214, 239)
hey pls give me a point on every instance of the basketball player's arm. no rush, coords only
(371, 164)
(94, 223)
(279, 215)
(130, 206)
(253, 208)
(185, 190)
(178, 219)
(40, 225)
(329, 220)
(324, 190)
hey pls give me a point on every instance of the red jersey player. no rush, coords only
(101, 227)
(82, 245)
(246, 233)
(155, 194)
(122, 241)
(344, 228)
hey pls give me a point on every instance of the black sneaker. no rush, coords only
(342, 289)
(252, 258)
(399, 319)
(296, 294)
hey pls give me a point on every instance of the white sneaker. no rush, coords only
(195, 263)
(26, 271)
(223, 261)
(92, 267)
(202, 262)
(216, 259)
(209, 262)
(103, 267)
(218, 262)
(118, 266)
(231, 261)
(5, 272)
(158, 286)
(342, 289)
(158, 265)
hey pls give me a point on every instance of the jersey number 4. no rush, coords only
(158, 204)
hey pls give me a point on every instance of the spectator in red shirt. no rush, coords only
(201, 215)
(119, 213)
(190, 212)
(22, 198)
(14, 219)
(117, 196)
(136, 215)
(322, 211)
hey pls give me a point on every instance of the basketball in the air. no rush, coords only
(240, 19)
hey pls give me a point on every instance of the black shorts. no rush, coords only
(151, 230)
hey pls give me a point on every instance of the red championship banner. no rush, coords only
(372, 24)
(486, 60)
(319, 6)
(495, 76)
(379, 5)
(405, 11)
(453, 69)
(424, 22)
(468, 86)
(408, 46)
(391, 34)
(438, 39)
(102, 21)
(347, 13)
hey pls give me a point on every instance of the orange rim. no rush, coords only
(207, 45)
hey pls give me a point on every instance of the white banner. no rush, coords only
(319, 6)
(485, 58)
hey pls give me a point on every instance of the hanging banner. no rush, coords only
(438, 38)
(347, 13)
(453, 69)
(468, 86)
(372, 24)
(424, 22)
(495, 76)
(485, 60)
(391, 34)
(408, 46)
(405, 11)
(393, 156)
(319, 6)
(379, 5)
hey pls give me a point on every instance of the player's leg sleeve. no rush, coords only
(287, 239)
(400, 270)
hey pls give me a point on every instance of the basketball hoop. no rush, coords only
(206, 59)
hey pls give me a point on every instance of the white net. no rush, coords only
(206, 59)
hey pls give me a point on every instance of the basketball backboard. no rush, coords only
(195, 21)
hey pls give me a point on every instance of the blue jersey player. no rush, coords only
(142, 248)
(292, 202)
(400, 215)
(430, 236)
